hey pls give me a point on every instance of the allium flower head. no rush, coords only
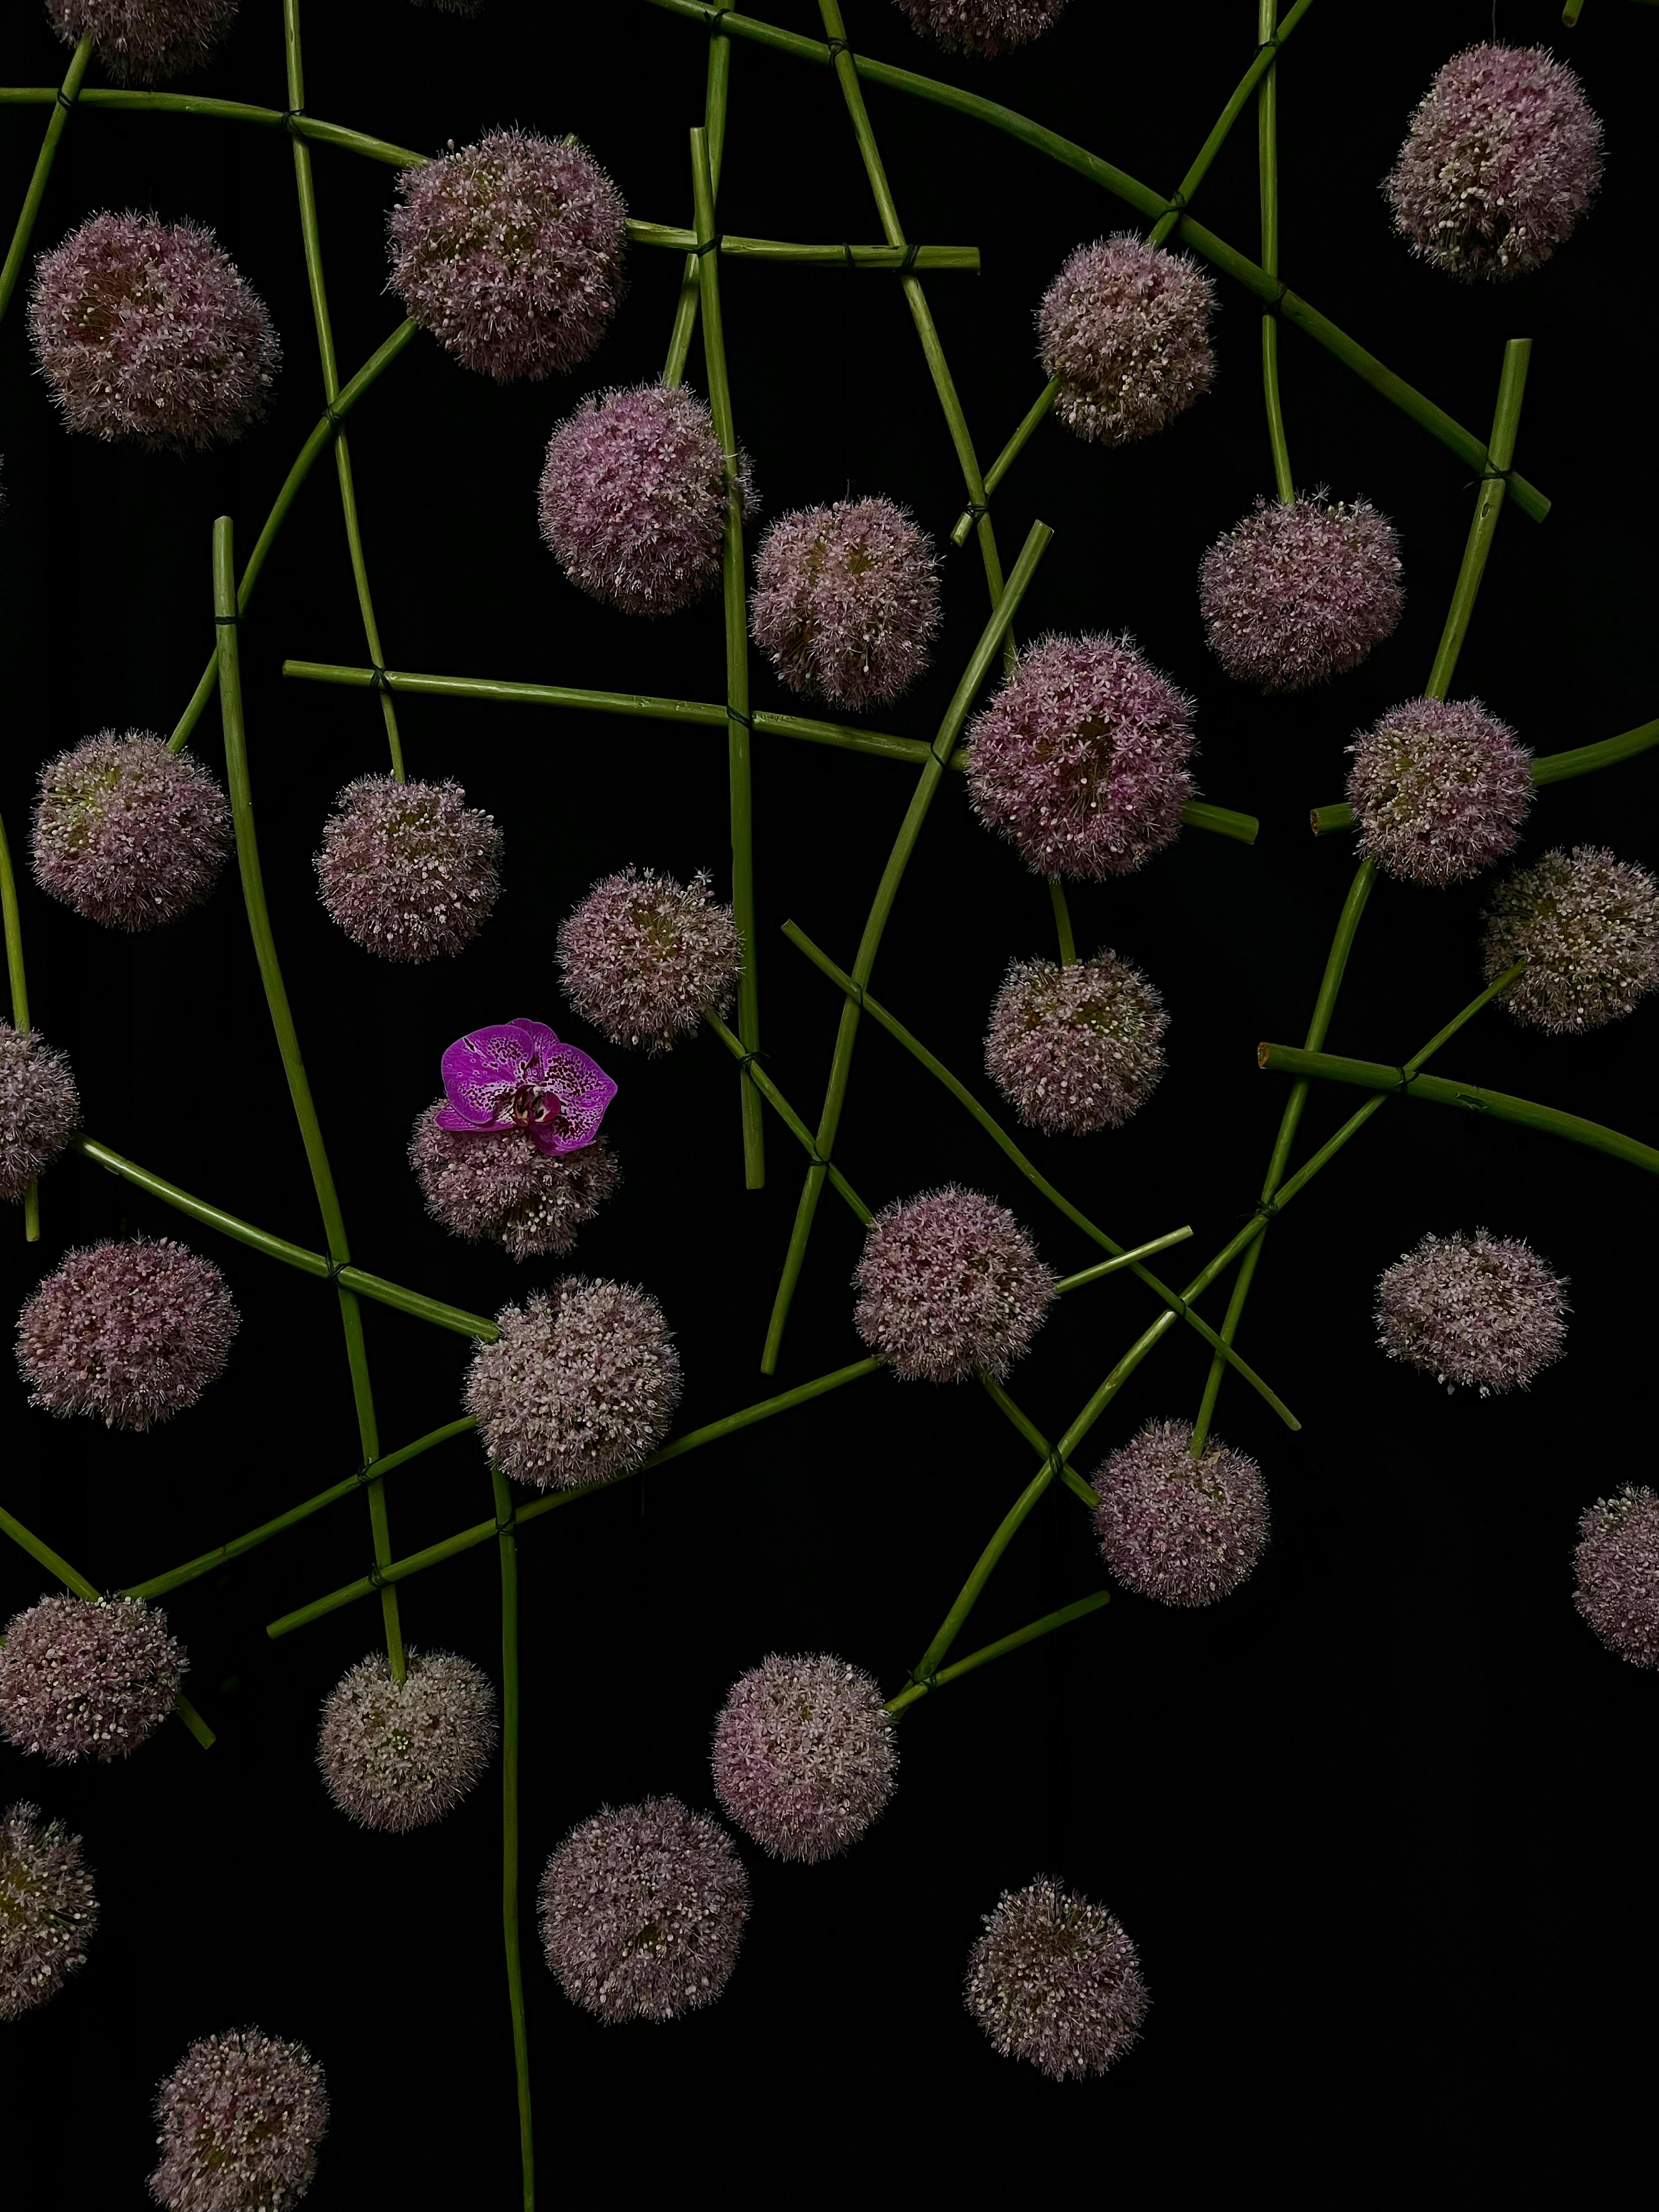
(1080, 759)
(502, 1185)
(144, 330)
(1296, 593)
(48, 1910)
(80, 1677)
(1125, 328)
(846, 600)
(1484, 1311)
(632, 498)
(132, 1332)
(1054, 1979)
(242, 2115)
(517, 1075)
(510, 252)
(144, 41)
(1588, 927)
(408, 870)
(1182, 1530)
(581, 1384)
(642, 1910)
(127, 833)
(949, 1282)
(40, 1107)
(804, 1755)
(1617, 1563)
(1077, 1048)
(643, 955)
(1440, 789)
(1499, 164)
(983, 29)
(400, 1756)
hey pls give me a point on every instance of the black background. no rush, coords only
(1382, 1824)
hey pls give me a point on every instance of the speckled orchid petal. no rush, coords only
(517, 1075)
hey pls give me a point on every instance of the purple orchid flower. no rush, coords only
(517, 1075)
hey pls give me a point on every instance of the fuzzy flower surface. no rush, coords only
(1439, 788)
(40, 1107)
(642, 1910)
(1500, 160)
(1588, 927)
(48, 1909)
(242, 2117)
(1181, 1530)
(984, 28)
(1295, 594)
(399, 1756)
(804, 1757)
(132, 1332)
(1125, 327)
(144, 41)
(510, 251)
(579, 1385)
(1076, 1048)
(633, 495)
(503, 1185)
(1080, 759)
(81, 1679)
(1054, 1979)
(949, 1282)
(144, 330)
(128, 833)
(845, 600)
(1480, 1312)
(408, 870)
(1617, 1563)
(517, 1075)
(643, 956)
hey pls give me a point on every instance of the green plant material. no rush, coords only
(62, 99)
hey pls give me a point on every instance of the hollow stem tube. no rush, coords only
(713, 123)
(507, 1545)
(12, 922)
(62, 101)
(1078, 1610)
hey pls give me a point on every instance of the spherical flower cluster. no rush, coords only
(1054, 1979)
(1499, 163)
(632, 498)
(1079, 1048)
(1440, 789)
(846, 600)
(642, 1910)
(48, 1909)
(39, 1106)
(1297, 593)
(242, 2115)
(804, 1755)
(1125, 327)
(83, 1679)
(643, 956)
(1080, 759)
(500, 1184)
(127, 833)
(983, 29)
(510, 252)
(1484, 1311)
(1617, 1562)
(579, 1385)
(144, 330)
(949, 1282)
(132, 1332)
(1588, 927)
(399, 1756)
(1182, 1530)
(144, 41)
(408, 870)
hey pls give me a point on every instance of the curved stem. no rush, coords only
(713, 123)
(1038, 414)
(225, 110)
(1267, 131)
(1544, 769)
(507, 1545)
(1506, 420)
(62, 102)
(968, 1597)
(1078, 1610)
(11, 921)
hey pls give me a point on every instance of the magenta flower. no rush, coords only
(1055, 1980)
(242, 2115)
(517, 1075)
(142, 41)
(48, 1908)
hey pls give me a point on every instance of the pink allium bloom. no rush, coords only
(846, 600)
(642, 1910)
(1080, 759)
(40, 1107)
(1182, 1530)
(80, 1678)
(1484, 1311)
(517, 1075)
(242, 2115)
(1296, 593)
(1076, 1048)
(1439, 788)
(643, 955)
(632, 498)
(503, 1185)
(408, 870)
(1588, 927)
(401, 1757)
(127, 833)
(144, 330)
(579, 1385)
(1126, 329)
(48, 1909)
(144, 41)
(804, 1755)
(984, 28)
(1617, 1562)
(510, 252)
(949, 1282)
(1054, 1979)
(133, 1332)
(1499, 164)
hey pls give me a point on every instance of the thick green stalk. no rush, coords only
(1266, 134)
(12, 923)
(1034, 416)
(713, 123)
(836, 253)
(1062, 922)
(1544, 767)
(62, 101)
(792, 1121)
(1067, 1613)
(507, 1545)
(224, 111)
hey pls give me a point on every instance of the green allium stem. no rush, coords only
(1266, 133)
(1036, 416)
(1506, 420)
(1062, 922)
(733, 246)
(62, 101)
(713, 123)
(17, 981)
(1545, 768)
(506, 1543)
(1067, 1613)
(310, 127)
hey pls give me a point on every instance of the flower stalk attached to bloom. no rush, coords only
(517, 1075)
